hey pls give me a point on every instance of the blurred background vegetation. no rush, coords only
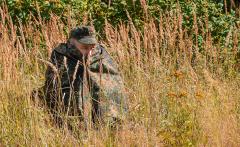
(221, 15)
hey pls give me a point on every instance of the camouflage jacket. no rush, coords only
(90, 88)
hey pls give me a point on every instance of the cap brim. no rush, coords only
(88, 40)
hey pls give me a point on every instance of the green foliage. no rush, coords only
(23, 10)
(118, 10)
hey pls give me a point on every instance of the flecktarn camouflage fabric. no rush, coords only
(90, 88)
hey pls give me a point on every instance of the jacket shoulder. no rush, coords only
(58, 54)
(103, 51)
(61, 49)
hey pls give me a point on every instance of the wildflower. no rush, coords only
(172, 94)
(178, 74)
(182, 94)
(199, 95)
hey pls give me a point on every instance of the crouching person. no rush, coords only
(83, 81)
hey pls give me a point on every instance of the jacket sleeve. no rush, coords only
(52, 85)
(108, 92)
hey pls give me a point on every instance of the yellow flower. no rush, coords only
(178, 74)
(182, 94)
(199, 95)
(172, 94)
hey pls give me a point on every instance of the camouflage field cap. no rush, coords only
(84, 34)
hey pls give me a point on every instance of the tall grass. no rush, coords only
(181, 93)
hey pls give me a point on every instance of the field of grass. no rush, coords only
(180, 93)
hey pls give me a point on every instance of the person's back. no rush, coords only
(84, 83)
